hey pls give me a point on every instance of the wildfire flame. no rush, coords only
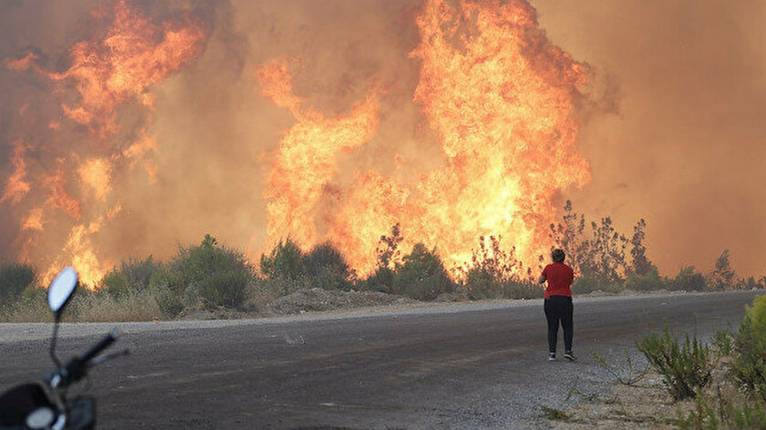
(502, 101)
(17, 186)
(306, 161)
(499, 99)
(117, 68)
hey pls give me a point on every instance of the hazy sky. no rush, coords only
(686, 149)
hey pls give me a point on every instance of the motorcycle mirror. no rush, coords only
(61, 290)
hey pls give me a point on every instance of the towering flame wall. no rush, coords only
(165, 122)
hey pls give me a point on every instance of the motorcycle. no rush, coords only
(43, 405)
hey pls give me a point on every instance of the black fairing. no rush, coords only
(19, 401)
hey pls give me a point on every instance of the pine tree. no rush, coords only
(641, 263)
(723, 276)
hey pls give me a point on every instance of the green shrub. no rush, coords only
(522, 290)
(684, 366)
(729, 411)
(277, 287)
(14, 278)
(688, 279)
(587, 284)
(169, 301)
(381, 280)
(493, 272)
(481, 287)
(482, 284)
(421, 275)
(749, 365)
(226, 288)
(723, 342)
(649, 281)
(326, 268)
(209, 273)
(132, 275)
(747, 415)
(115, 283)
(165, 278)
(284, 261)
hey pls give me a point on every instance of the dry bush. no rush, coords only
(132, 306)
(14, 279)
(32, 308)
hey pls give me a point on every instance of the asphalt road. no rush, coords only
(467, 367)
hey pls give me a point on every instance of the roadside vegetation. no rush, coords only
(726, 380)
(687, 382)
(210, 279)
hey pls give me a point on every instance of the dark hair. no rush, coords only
(558, 255)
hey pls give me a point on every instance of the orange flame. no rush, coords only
(499, 97)
(58, 196)
(33, 220)
(125, 64)
(306, 161)
(132, 55)
(96, 174)
(502, 101)
(17, 186)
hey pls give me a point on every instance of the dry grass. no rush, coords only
(105, 308)
(27, 311)
(90, 307)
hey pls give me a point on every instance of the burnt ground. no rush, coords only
(455, 366)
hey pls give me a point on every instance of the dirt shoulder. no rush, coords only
(645, 405)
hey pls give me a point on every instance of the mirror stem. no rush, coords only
(53, 341)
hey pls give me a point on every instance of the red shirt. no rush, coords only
(559, 277)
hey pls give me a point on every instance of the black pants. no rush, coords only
(559, 308)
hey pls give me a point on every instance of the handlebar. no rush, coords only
(100, 346)
(78, 366)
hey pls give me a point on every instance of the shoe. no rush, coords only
(569, 356)
(551, 356)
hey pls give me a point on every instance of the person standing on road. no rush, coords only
(558, 303)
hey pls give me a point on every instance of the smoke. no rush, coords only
(685, 150)
(671, 131)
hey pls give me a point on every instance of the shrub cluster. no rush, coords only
(15, 278)
(420, 275)
(496, 273)
(685, 366)
(749, 366)
(736, 402)
(204, 276)
(289, 268)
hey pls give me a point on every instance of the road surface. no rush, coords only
(455, 366)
